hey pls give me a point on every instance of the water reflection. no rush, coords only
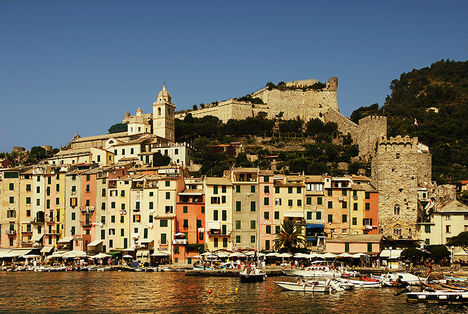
(173, 292)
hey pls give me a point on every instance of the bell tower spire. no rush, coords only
(164, 115)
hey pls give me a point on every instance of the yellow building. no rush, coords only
(218, 216)
(288, 200)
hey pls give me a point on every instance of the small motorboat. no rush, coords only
(304, 286)
(249, 274)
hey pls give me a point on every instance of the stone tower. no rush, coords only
(399, 166)
(163, 116)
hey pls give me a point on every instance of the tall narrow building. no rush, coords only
(163, 116)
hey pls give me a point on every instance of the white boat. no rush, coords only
(361, 283)
(303, 286)
(401, 277)
(252, 275)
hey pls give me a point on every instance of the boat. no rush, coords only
(252, 275)
(304, 286)
(400, 277)
(442, 296)
(357, 283)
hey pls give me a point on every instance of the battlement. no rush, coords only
(373, 119)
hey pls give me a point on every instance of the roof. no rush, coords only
(360, 178)
(99, 137)
(254, 170)
(266, 172)
(363, 187)
(358, 238)
(192, 192)
(218, 181)
(318, 179)
(453, 207)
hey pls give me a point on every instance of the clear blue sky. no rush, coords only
(69, 66)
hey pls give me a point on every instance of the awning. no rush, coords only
(213, 225)
(66, 239)
(95, 243)
(145, 241)
(314, 225)
(4, 253)
(18, 253)
(47, 249)
(294, 214)
(160, 254)
(391, 254)
(37, 237)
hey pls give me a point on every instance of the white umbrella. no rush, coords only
(56, 255)
(197, 256)
(223, 254)
(101, 255)
(301, 255)
(31, 256)
(285, 255)
(329, 255)
(159, 254)
(236, 254)
(127, 256)
(205, 254)
(314, 255)
(73, 254)
(179, 234)
(250, 253)
(358, 255)
(261, 254)
(272, 254)
(345, 255)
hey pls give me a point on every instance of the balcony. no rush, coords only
(37, 221)
(11, 232)
(87, 209)
(86, 223)
(180, 241)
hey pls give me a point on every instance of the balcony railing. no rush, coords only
(180, 241)
(10, 232)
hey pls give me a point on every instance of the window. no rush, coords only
(252, 239)
(12, 199)
(168, 195)
(277, 215)
(185, 225)
(12, 186)
(330, 204)
(277, 189)
(329, 192)
(151, 205)
(252, 206)
(215, 189)
(396, 210)
(266, 189)
(223, 189)
(238, 239)
(122, 219)
(72, 231)
(73, 216)
(346, 247)
(203, 209)
(122, 206)
(290, 189)
(299, 203)
(122, 193)
(266, 201)
(38, 201)
(252, 224)
(266, 179)
(38, 189)
(344, 218)
(309, 215)
(278, 201)
(112, 204)
(369, 247)
(150, 219)
(237, 188)
(344, 204)
(252, 189)
(57, 201)
(225, 242)
(224, 215)
(367, 206)
(169, 209)
(28, 200)
(318, 215)
(277, 229)
(448, 217)
(344, 192)
(354, 221)
(266, 215)
(290, 203)
(215, 200)
(223, 199)
(28, 187)
(163, 238)
(185, 209)
(448, 229)
(215, 242)
(215, 215)
(268, 229)
(319, 201)
(367, 195)
(355, 206)
(238, 224)
(308, 200)
(299, 189)
(330, 218)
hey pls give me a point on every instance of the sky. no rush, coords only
(72, 67)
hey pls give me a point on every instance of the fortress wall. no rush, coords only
(345, 125)
(370, 130)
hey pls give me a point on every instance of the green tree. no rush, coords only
(460, 240)
(118, 127)
(161, 160)
(290, 236)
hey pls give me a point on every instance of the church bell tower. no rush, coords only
(164, 116)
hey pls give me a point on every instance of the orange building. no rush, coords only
(371, 210)
(189, 225)
(337, 197)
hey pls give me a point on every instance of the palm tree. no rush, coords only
(289, 237)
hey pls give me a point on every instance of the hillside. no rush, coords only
(432, 104)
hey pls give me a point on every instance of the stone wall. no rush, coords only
(400, 165)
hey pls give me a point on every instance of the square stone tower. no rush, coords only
(400, 165)
(164, 116)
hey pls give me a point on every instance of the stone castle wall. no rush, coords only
(399, 167)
